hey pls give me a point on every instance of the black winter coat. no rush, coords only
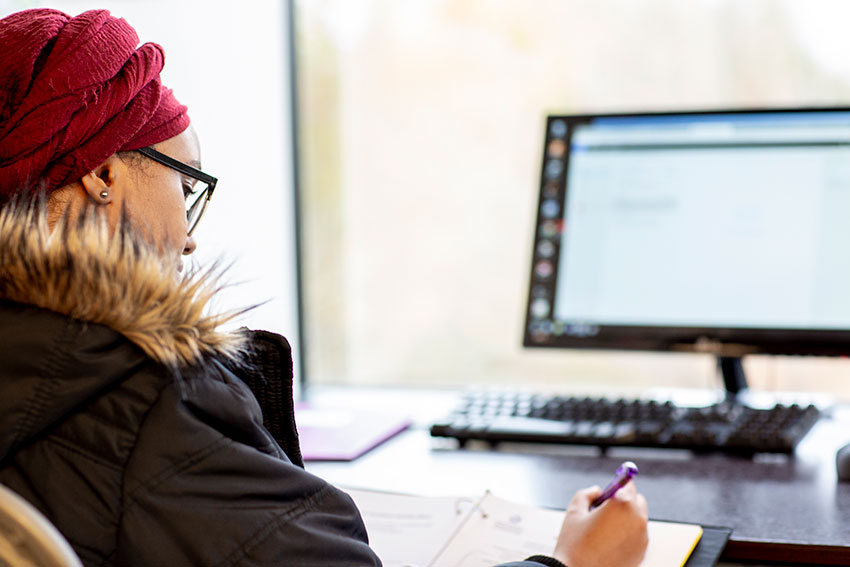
(123, 418)
(128, 420)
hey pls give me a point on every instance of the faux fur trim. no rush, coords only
(84, 271)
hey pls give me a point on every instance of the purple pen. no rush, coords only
(624, 474)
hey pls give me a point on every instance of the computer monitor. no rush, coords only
(723, 232)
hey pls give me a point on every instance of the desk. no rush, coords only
(781, 509)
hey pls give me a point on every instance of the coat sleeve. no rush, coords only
(206, 485)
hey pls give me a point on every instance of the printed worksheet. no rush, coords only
(417, 531)
(408, 531)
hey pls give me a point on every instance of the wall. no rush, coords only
(229, 65)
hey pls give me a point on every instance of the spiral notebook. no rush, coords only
(419, 531)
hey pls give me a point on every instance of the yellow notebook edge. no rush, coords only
(694, 544)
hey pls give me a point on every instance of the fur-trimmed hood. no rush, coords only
(83, 271)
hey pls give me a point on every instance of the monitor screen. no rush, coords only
(724, 232)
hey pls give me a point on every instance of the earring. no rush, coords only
(104, 195)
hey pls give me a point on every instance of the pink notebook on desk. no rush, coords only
(340, 434)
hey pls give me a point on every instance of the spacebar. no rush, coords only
(530, 425)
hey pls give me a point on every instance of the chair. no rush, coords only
(28, 539)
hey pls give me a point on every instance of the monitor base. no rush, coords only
(732, 371)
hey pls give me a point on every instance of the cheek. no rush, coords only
(173, 212)
(163, 212)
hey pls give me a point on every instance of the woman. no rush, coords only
(126, 417)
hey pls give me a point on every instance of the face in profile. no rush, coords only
(156, 203)
(152, 194)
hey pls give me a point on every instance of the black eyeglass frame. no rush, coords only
(192, 172)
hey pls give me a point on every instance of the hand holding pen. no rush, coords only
(613, 534)
(625, 472)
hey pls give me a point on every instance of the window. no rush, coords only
(420, 127)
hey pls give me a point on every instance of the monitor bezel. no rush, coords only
(720, 341)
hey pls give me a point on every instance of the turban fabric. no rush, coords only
(74, 91)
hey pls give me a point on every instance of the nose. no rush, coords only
(190, 246)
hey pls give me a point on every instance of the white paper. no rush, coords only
(408, 531)
(417, 531)
(501, 531)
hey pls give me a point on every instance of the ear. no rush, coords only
(105, 183)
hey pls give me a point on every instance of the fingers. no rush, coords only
(630, 508)
(628, 492)
(586, 495)
(628, 495)
(582, 499)
(642, 506)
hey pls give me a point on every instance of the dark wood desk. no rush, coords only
(781, 509)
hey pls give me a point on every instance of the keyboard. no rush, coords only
(727, 426)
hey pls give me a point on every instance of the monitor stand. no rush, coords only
(734, 379)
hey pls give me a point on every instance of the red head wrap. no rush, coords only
(73, 91)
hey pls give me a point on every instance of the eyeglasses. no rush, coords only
(196, 201)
